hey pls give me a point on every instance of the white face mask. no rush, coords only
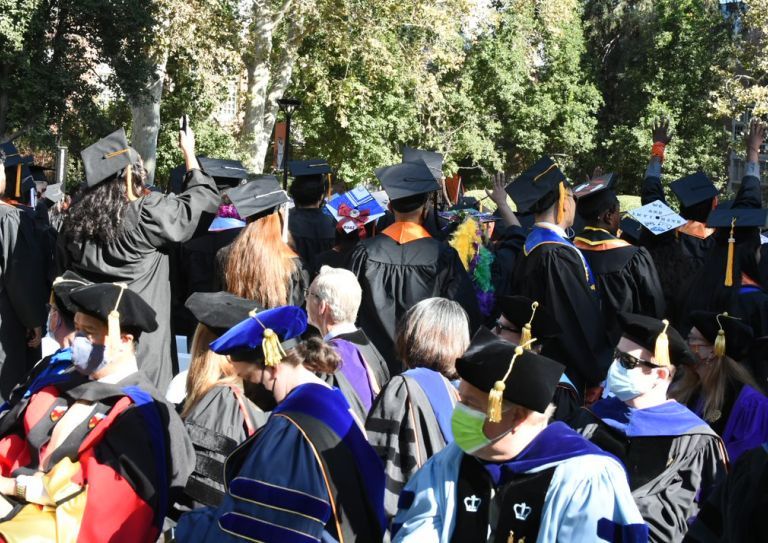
(628, 384)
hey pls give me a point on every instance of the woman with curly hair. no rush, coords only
(118, 231)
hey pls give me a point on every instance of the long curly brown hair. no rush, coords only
(260, 263)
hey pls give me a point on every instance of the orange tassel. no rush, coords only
(18, 180)
(729, 263)
(561, 204)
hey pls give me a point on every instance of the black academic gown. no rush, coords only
(554, 275)
(626, 277)
(396, 276)
(313, 232)
(221, 420)
(22, 294)
(139, 257)
(507, 244)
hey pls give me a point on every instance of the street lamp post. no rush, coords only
(287, 106)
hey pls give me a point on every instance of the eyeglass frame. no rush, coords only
(630, 362)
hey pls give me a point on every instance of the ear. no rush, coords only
(126, 339)
(663, 373)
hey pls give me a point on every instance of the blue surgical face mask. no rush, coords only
(87, 357)
(628, 384)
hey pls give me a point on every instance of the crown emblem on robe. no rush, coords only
(472, 503)
(95, 419)
(58, 412)
(522, 510)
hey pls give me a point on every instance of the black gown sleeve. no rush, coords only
(23, 270)
(456, 285)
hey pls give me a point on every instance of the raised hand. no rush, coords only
(498, 194)
(755, 138)
(661, 131)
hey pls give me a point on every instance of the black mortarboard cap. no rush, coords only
(220, 311)
(432, 159)
(38, 172)
(538, 182)
(693, 189)
(100, 299)
(531, 382)
(225, 172)
(406, 179)
(721, 218)
(258, 197)
(738, 334)
(518, 311)
(631, 230)
(107, 157)
(595, 196)
(308, 168)
(63, 287)
(10, 157)
(645, 330)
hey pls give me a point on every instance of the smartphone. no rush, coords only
(183, 123)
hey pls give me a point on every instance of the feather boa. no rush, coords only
(467, 240)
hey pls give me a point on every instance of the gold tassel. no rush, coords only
(496, 395)
(113, 323)
(527, 333)
(729, 262)
(661, 350)
(270, 344)
(720, 339)
(18, 180)
(561, 203)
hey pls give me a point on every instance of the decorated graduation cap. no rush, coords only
(258, 197)
(539, 187)
(693, 189)
(729, 335)
(107, 158)
(508, 372)
(432, 159)
(220, 311)
(354, 209)
(666, 344)
(117, 305)
(264, 336)
(657, 217)
(61, 290)
(595, 196)
(406, 180)
(533, 319)
(742, 224)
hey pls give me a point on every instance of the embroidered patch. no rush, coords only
(58, 412)
(522, 510)
(95, 419)
(472, 503)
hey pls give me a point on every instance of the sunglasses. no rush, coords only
(503, 327)
(630, 362)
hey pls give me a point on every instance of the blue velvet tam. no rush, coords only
(245, 341)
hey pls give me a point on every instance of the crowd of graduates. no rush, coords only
(379, 365)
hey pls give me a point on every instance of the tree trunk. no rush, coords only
(145, 116)
(267, 83)
(4, 75)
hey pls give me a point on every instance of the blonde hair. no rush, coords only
(206, 369)
(260, 263)
(712, 385)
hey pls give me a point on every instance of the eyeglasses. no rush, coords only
(630, 362)
(503, 327)
(308, 293)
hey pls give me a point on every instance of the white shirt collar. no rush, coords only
(338, 329)
(549, 226)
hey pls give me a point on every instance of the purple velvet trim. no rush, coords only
(747, 426)
(353, 367)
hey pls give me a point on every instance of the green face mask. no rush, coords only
(467, 425)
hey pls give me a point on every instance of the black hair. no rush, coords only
(409, 203)
(546, 202)
(592, 207)
(697, 212)
(307, 190)
(98, 212)
(67, 317)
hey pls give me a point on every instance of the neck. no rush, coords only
(334, 328)
(295, 376)
(511, 445)
(119, 365)
(310, 206)
(551, 219)
(414, 216)
(64, 339)
(655, 397)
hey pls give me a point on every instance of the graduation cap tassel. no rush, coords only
(561, 203)
(270, 345)
(496, 395)
(720, 339)
(113, 321)
(527, 334)
(729, 262)
(18, 180)
(661, 349)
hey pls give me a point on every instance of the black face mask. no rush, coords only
(87, 357)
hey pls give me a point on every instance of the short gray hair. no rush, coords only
(339, 289)
(433, 334)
